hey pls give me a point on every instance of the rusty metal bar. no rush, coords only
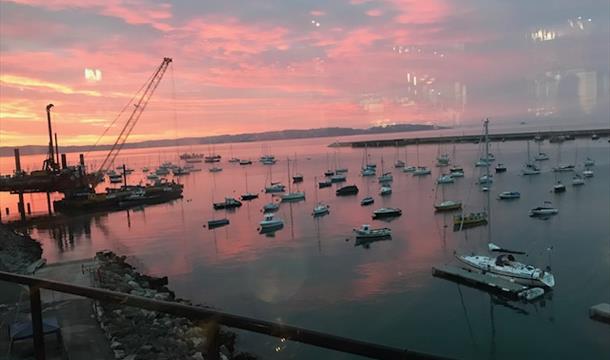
(38, 332)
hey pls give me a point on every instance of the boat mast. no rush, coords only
(288, 165)
(488, 180)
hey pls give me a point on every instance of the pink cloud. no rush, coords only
(374, 12)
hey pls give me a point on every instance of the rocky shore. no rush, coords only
(17, 251)
(142, 334)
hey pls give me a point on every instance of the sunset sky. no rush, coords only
(250, 66)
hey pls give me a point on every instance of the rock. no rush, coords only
(197, 356)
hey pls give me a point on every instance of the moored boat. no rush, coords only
(448, 205)
(367, 201)
(366, 232)
(506, 195)
(505, 265)
(386, 213)
(545, 210)
(229, 203)
(347, 190)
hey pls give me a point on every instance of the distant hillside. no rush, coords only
(220, 139)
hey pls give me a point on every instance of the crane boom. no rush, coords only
(139, 107)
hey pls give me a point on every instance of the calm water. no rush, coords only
(311, 274)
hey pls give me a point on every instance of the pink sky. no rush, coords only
(244, 67)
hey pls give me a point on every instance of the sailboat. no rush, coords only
(214, 222)
(529, 168)
(442, 160)
(248, 195)
(421, 170)
(385, 177)
(320, 209)
(561, 167)
(368, 169)
(398, 163)
(328, 171)
(541, 156)
(338, 169)
(274, 187)
(233, 159)
(297, 177)
(407, 168)
(505, 265)
(292, 196)
(447, 205)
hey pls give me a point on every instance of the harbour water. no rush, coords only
(311, 274)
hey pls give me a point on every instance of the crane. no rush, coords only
(139, 107)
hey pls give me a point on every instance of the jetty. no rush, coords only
(552, 136)
(600, 312)
(477, 279)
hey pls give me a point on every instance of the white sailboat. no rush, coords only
(320, 209)
(292, 196)
(529, 168)
(506, 265)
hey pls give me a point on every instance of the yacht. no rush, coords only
(559, 187)
(507, 195)
(367, 201)
(545, 210)
(229, 203)
(564, 168)
(505, 265)
(385, 191)
(293, 196)
(297, 178)
(212, 224)
(270, 222)
(409, 169)
(589, 162)
(541, 156)
(275, 187)
(234, 160)
(338, 178)
(320, 209)
(386, 212)
(448, 205)
(211, 158)
(442, 160)
(249, 196)
(386, 177)
(329, 173)
(341, 170)
(578, 180)
(366, 232)
(215, 169)
(500, 168)
(445, 179)
(367, 171)
(347, 190)
(271, 207)
(245, 162)
(470, 220)
(530, 169)
(325, 183)
(422, 171)
(179, 171)
(399, 164)
(486, 179)
(587, 173)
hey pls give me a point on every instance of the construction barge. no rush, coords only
(551, 136)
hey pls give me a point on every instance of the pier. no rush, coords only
(552, 136)
(478, 279)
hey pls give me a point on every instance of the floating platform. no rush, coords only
(485, 281)
(600, 312)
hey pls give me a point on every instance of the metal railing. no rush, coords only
(292, 333)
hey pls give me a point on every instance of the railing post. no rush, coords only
(36, 313)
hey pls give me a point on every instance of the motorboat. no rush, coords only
(293, 196)
(507, 195)
(245, 162)
(559, 187)
(367, 201)
(338, 178)
(229, 203)
(385, 191)
(541, 156)
(271, 207)
(505, 265)
(500, 168)
(386, 213)
(216, 223)
(249, 196)
(587, 173)
(564, 168)
(545, 210)
(366, 232)
(320, 209)
(275, 188)
(347, 190)
(448, 205)
(325, 183)
(445, 179)
(578, 180)
(421, 171)
(270, 222)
